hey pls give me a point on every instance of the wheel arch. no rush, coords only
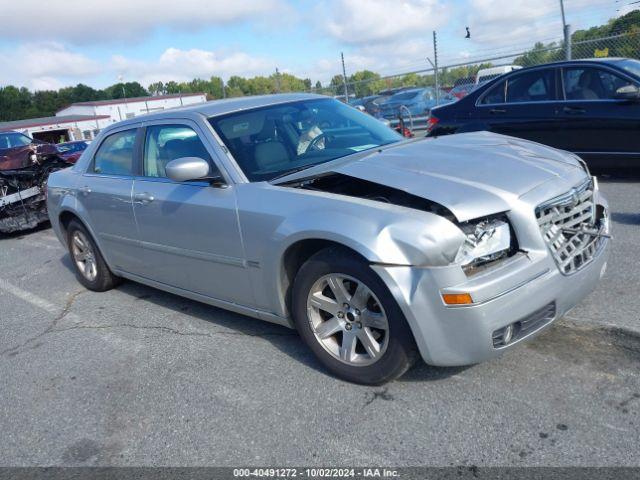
(297, 253)
(64, 219)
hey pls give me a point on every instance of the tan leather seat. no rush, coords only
(271, 154)
(585, 82)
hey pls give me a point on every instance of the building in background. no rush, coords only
(84, 120)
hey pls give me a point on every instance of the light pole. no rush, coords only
(566, 31)
(124, 93)
(435, 67)
(344, 80)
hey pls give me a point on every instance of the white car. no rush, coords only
(486, 74)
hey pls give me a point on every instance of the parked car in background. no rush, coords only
(376, 249)
(25, 164)
(461, 91)
(392, 91)
(589, 107)
(71, 151)
(371, 104)
(415, 102)
(486, 74)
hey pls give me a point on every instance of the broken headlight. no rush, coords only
(487, 240)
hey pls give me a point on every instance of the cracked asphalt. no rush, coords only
(136, 376)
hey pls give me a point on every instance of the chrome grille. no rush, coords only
(568, 223)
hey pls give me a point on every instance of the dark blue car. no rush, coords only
(589, 107)
(416, 102)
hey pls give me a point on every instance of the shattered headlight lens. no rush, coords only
(486, 241)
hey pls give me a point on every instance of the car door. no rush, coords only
(522, 105)
(595, 123)
(104, 194)
(189, 230)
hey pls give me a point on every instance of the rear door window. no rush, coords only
(535, 86)
(495, 94)
(115, 154)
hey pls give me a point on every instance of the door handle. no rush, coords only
(497, 111)
(85, 190)
(574, 110)
(143, 198)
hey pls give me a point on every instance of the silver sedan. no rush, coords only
(303, 211)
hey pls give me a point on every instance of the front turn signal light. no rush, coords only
(457, 298)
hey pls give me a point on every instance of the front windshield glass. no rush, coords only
(268, 142)
(631, 66)
(13, 139)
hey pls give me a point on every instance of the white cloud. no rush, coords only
(183, 65)
(46, 65)
(83, 21)
(509, 22)
(46, 83)
(374, 21)
(50, 59)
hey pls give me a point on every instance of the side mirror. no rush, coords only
(187, 168)
(628, 92)
(361, 108)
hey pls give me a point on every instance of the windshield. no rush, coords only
(268, 142)
(631, 66)
(13, 139)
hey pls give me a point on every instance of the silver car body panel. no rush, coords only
(238, 262)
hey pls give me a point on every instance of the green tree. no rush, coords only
(365, 82)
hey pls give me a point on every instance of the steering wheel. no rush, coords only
(314, 144)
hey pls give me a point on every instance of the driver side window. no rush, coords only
(169, 142)
(586, 83)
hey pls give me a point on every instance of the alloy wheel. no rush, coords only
(347, 319)
(84, 256)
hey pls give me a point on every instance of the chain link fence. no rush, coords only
(457, 78)
(464, 73)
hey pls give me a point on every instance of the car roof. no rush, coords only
(609, 60)
(409, 90)
(221, 107)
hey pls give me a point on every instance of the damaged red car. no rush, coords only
(25, 165)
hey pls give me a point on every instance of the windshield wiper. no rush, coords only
(293, 170)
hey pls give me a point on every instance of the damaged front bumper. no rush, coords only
(531, 292)
(513, 300)
(23, 188)
(22, 204)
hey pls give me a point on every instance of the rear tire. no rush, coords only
(346, 315)
(89, 265)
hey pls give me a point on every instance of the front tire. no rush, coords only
(89, 265)
(349, 319)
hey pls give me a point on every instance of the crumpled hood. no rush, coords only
(472, 174)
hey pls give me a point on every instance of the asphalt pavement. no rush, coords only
(136, 376)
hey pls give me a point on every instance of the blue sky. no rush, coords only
(96, 42)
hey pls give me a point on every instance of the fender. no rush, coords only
(412, 238)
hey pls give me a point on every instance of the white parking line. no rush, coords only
(29, 297)
(41, 244)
